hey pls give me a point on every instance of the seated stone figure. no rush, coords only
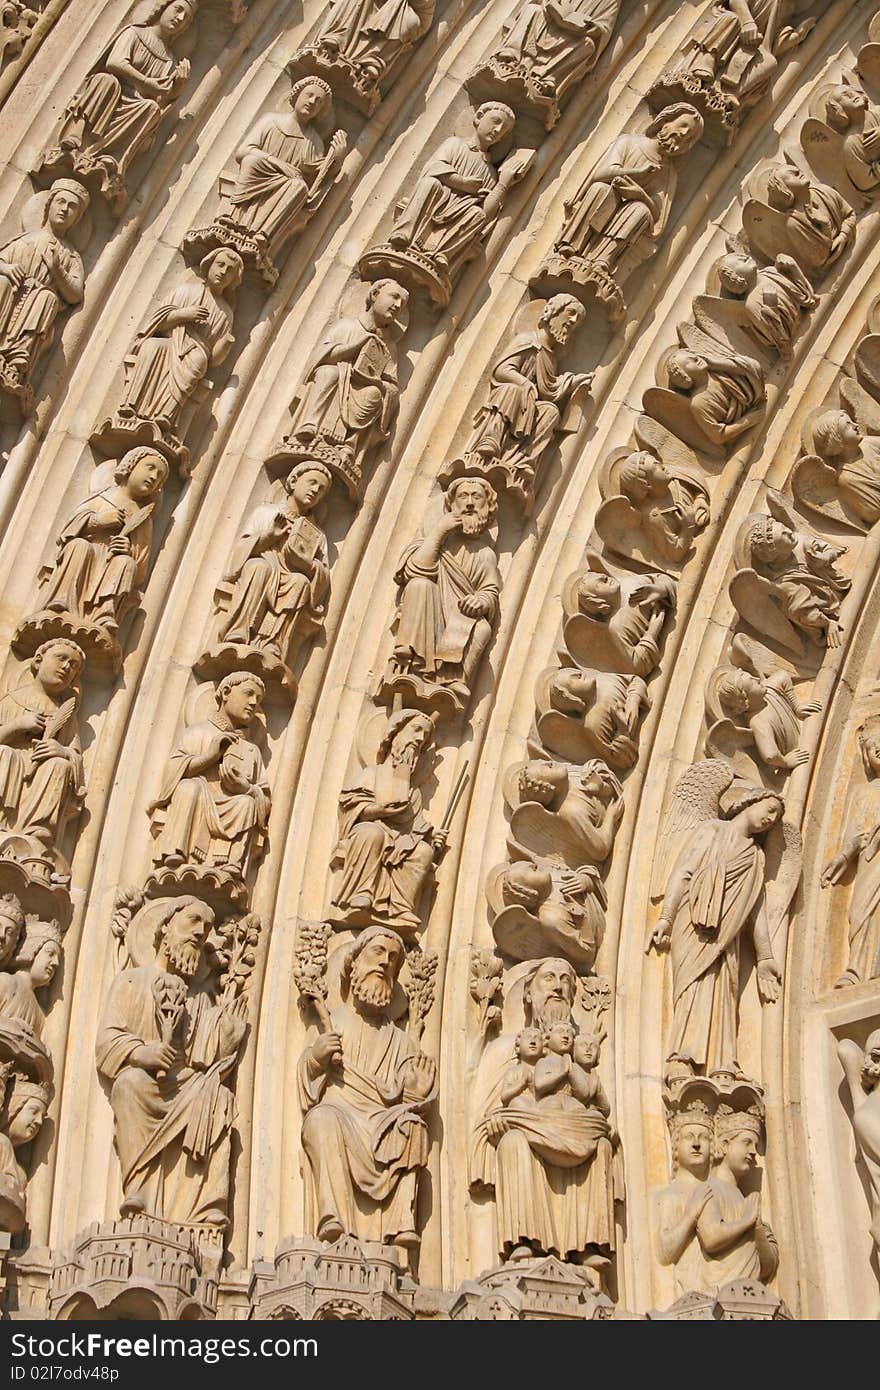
(450, 586)
(41, 768)
(168, 1047)
(214, 803)
(364, 1087)
(361, 41)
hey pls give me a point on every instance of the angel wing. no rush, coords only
(754, 599)
(728, 741)
(655, 437)
(814, 484)
(672, 412)
(862, 396)
(783, 855)
(547, 835)
(780, 510)
(695, 800)
(619, 525)
(727, 323)
(768, 232)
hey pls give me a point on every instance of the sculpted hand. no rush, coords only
(419, 1076)
(154, 1056)
(30, 724)
(325, 1048)
(439, 840)
(769, 980)
(120, 545)
(834, 870)
(338, 145)
(752, 1207)
(471, 606)
(750, 36)
(796, 758)
(13, 273)
(218, 745)
(48, 748)
(661, 935)
(496, 1126)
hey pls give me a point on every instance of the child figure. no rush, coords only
(585, 1084)
(553, 1071)
(519, 1080)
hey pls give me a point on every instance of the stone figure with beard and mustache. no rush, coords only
(387, 847)
(166, 1049)
(862, 1070)
(364, 1086)
(450, 586)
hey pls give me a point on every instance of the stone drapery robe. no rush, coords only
(199, 818)
(172, 1135)
(168, 362)
(271, 589)
(27, 314)
(513, 423)
(858, 482)
(88, 581)
(864, 905)
(275, 178)
(350, 390)
(600, 225)
(433, 638)
(724, 878)
(37, 797)
(374, 33)
(560, 54)
(365, 1141)
(389, 859)
(438, 220)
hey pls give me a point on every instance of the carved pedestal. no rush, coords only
(346, 1281)
(530, 1291)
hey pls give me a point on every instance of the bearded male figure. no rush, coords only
(450, 586)
(364, 1087)
(167, 1050)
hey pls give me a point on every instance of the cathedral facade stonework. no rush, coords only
(439, 706)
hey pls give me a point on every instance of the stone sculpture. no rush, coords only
(115, 114)
(844, 141)
(41, 768)
(547, 49)
(564, 811)
(790, 214)
(714, 891)
(275, 589)
(859, 853)
(616, 622)
(211, 812)
(286, 168)
(751, 704)
(387, 848)
(167, 1046)
(708, 1228)
(620, 210)
(592, 714)
(730, 60)
(787, 581)
(364, 1087)
(715, 393)
(24, 1111)
(539, 904)
(29, 964)
(766, 301)
(862, 1071)
(167, 368)
(838, 473)
(102, 560)
(41, 271)
(361, 42)
(17, 23)
(348, 397)
(545, 1144)
(654, 508)
(529, 401)
(448, 605)
(452, 209)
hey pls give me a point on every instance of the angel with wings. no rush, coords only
(564, 811)
(787, 581)
(656, 503)
(584, 714)
(753, 712)
(715, 393)
(847, 140)
(716, 890)
(617, 623)
(765, 302)
(838, 474)
(790, 214)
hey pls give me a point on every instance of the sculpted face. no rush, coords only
(409, 741)
(871, 1066)
(390, 302)
(680, 134)
(560, 1039)
(185, 936)
(741, 1154)
(763, 814)
(850, 434)
(567, 317)
(147, 477)
(738, 274)
(529, 1044)
(26, 1125)
(551, 993)
(374, 971)
(59, 667)
(243, 702)
(598, 594)
(871, 752)
(492, 126)
(175, 19)
(45, 964)
(692, 1149)
(65, 210)
(780, 544)
(311, 102)
(470, 501)
(310, 488)
(224, 272)
(8, 937)
(687, 370)
(585, 1051)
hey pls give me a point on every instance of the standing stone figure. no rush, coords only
(103, 551)
(349, 394)
(41, 767)
(448, 605)
(364, 1086)
(621, 207)
(214, 803)
(714, 892)
(41, 271)
(115, 113)
(453, 207)
(527, 401)
(862, 1071)
(387, 847)
(860, 852)
(168, 1048)
(278, 578)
